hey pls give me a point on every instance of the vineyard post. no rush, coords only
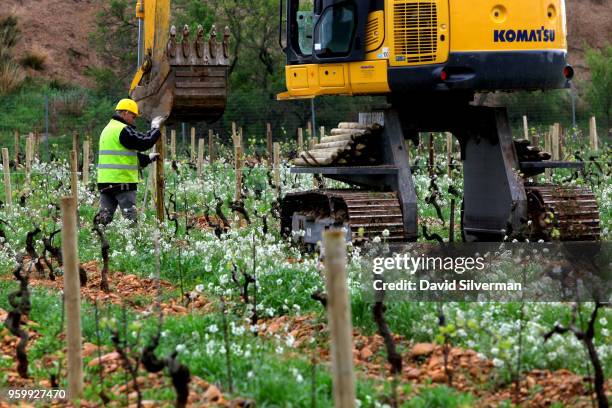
(234, 132)
(28, 163)
(159, 180)
(556, 142)
(594, 141)
(75, 143)
(525, 128)
(269, 144)
(211, 146)
(7, 177)
(431, 154)
(17, 143)
(321, 133)
(300, 139)
(449, 152)
(163, 135)
(339, 318)
(193, 144)
(238, 163)
(451, 227)
(309, 130)
(240, 137)
(86, 162)
(74, 177)
(548, 148)
(173, 144)
(200, 157)
(72, 297)
(277, 168)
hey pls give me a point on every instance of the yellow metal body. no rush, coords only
(457, 26)
(156, 17)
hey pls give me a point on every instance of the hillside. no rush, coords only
(61, 28)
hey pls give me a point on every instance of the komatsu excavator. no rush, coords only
(182, 78)
(429, 58)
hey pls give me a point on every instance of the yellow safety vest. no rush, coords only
(116, 164)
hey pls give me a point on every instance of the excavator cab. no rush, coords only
(181, 78)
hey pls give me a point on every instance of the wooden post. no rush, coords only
(17, 145)
(200, 157)
(163, 135)
(173, 144)
(28, 159)
(160, 180)
(548, 148)
(193, 144)
(431, 154)
(277, 180)
(309, 129)
(300, 140)
(451, 226)
(86, 162)
(339, 319)
(238, 163)
(75, 144)
(72, 297)
(525, 128)
(321, 132)
(556, 142)
(234, 132)
(153, 185)
(211, 146)
(593, 139)
(240, 137)
(74, 177)
(449, 153)
(8, 193)
(269, 144)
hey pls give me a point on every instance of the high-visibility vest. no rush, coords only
(116, 164)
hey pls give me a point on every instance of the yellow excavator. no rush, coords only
(430, 58)
(181, 76)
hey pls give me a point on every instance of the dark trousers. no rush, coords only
(126, 200)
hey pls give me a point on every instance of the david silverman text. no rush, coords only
(462, 285)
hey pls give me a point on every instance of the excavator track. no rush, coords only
(563, 213)
(365, 214)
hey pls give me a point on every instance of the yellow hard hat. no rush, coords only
(127, 105)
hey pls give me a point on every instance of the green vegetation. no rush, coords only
(599, 90)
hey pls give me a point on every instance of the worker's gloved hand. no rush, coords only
(153, 156)
(157, 122)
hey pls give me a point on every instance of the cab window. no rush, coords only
(304, 21)
(336, 30)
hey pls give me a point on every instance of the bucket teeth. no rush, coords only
(226, 35)
(185, 42)
(199, 45)
(195, 49)
(171, 46)
(212, 42)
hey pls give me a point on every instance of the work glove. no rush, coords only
(157, 122)
(153, 156)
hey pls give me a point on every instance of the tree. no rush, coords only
(599, 89)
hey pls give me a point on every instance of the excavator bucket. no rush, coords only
(189, 81)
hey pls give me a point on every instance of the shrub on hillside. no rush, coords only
(11, 77)
(34, 59)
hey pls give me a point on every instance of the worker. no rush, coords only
(120, 161)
